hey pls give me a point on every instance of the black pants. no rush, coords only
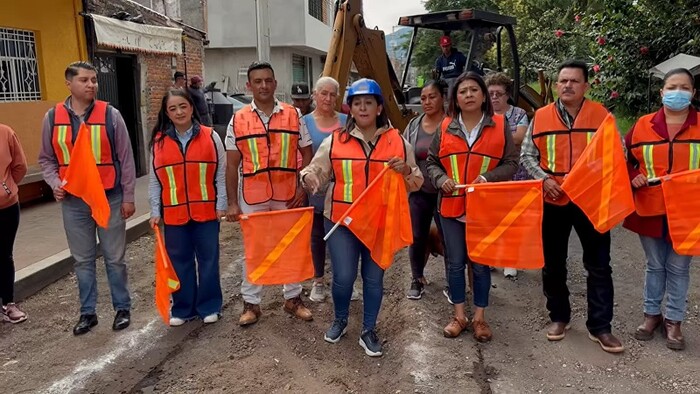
(318, 245)
(423, 208)
(9, 222)
(556, 229)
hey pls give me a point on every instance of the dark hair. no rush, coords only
(164, 122)
(74, 68)
(260, 66)
(575, 64)
(486, 106)
(677, 71)
(438, 85)
(382, 120)
(178, 74)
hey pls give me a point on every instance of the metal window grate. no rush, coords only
(19, 69)
(316, 9)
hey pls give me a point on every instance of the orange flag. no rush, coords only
(504, 224)
(278, 246)
(598, 182)
(83, 180)
(683, 211)
(382, 221)
(167, 281)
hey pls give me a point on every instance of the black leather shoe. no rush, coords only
(84, 325)
(121, 320)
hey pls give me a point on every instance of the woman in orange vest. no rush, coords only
(473, 145)
(662, 143)
(352, 157)
(187, 191)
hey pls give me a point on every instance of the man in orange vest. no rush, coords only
(557, 136)
(115, 163)
(262, 141)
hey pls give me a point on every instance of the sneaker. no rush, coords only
(318, 292)
(510, 273)
(337, 330)
(371, 343)
(176, 321)
(416, 291)
(356, 292)
(446, 293)
(213, 318)
(11, 313)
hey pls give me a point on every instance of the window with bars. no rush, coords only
(19, 69)
(299, 69)
(316, 9)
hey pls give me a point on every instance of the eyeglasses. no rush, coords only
(497, 95)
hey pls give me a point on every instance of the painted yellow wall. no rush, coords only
(60, 35)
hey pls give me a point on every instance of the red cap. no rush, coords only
(445, 41)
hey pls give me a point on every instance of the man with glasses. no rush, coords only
(555, 139)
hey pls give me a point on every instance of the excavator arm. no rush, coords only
(352, 42)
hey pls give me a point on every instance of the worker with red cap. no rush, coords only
(450, 64)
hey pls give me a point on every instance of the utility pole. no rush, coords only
(262, 15)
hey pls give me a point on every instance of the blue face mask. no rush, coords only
(676, 100)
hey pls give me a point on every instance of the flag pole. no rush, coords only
(354, 204)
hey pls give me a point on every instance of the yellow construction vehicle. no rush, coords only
(353, 42)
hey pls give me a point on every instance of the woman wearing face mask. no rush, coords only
(367, 141)
(187, 193)
(423, 203)
(661, 143)
(473, 145)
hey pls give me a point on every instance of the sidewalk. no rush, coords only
(41, 251)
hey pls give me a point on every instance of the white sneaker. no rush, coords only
(510, 272)
(176, 321)
(213, 318)
(356, 292)
(318, 292)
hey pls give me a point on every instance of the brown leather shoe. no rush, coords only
(674, 337)
(455, 328)
(646, 330)
(482, 331)
(557, 330)
(295, 307)
(250, 315)
(608, 342)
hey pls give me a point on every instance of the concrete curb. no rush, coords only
(30, 280)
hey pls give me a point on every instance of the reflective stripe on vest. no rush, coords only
(463, 164)
(187, 181)
(268, 164)
(353, 168)
(657, 157)
(101, 141)
(560, 146)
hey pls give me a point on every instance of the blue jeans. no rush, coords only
(346, 250)
(456, 244)
(201, 240)
(80, 232)
(667, 273)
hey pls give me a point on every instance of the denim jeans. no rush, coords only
(423, 208)
(346, 251)
(200, 286)
(9, 223)
(80, 231)
(667, 273)
(456, 243)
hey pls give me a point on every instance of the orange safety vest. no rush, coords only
(102, 138)
(354, 169)
(463, 164)
(658, 156)
(187, 180)
(269, 156)
(560, 146)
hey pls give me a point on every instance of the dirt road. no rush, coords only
(281, 354)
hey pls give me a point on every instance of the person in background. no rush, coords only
(179, 81)
(662, 143)
(118, 175)
(450, 64)
(423, 202)
(475, 146)
(368, 137)
(200, 101)
(13, 167)
(501, 90)
(301, 98)
(187, 192)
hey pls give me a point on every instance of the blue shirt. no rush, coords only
(451, 66)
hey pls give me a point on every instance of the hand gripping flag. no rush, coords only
(278, 246)
(167, 281)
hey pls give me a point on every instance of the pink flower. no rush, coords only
(577, 18)
(610, 58)
(559, 33)
(644, 50)
(596, 68)
(614, 94)
(600, 40)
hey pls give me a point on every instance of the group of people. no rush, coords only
(276, 158)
